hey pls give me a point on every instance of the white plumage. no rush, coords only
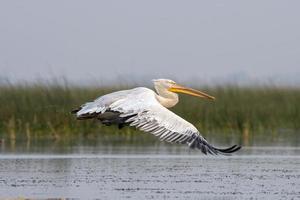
(144, 109)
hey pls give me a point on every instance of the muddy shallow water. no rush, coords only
(256, 172)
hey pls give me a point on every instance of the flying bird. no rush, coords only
(148, 111)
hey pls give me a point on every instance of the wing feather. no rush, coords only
(152, 117)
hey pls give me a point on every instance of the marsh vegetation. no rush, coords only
(31, 111)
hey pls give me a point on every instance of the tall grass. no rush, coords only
(40, 110)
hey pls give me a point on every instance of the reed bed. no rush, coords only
(43, 111)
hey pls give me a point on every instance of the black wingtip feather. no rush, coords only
(75, 110)
(201, 144)
(232, 149)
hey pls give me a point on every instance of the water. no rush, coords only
(148, 172)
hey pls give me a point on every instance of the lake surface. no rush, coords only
(147, 172)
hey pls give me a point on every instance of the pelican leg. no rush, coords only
(113, 118)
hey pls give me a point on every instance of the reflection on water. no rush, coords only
(148, 169)
(142, 142)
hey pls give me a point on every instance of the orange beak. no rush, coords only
(185, 90)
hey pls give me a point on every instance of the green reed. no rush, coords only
(43, 111)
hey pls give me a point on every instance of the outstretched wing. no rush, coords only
(142, 110)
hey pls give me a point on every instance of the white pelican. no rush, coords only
(147, 111)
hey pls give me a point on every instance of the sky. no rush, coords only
(106, 41)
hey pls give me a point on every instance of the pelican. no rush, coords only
(148, 111)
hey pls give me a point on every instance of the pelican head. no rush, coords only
(167, 90)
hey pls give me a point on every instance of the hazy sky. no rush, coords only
(207, 41)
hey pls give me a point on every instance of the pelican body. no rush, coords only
(148, 111)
